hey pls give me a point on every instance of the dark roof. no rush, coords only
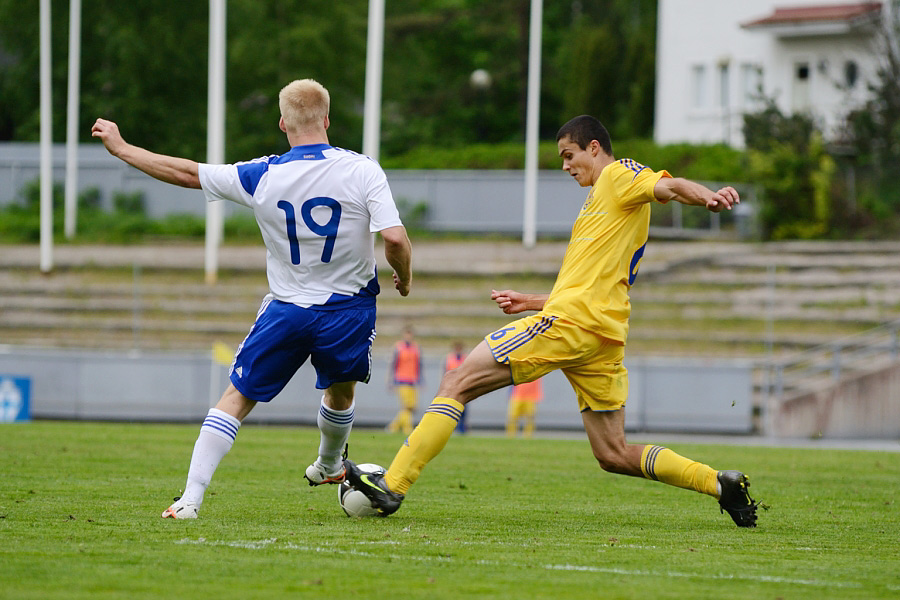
(794, 15)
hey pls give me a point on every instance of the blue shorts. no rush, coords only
(339, 342)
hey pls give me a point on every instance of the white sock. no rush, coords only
(215, 440)
(334, 431)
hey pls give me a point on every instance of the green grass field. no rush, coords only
(491, 517)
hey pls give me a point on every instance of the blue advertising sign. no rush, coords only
(15, 399)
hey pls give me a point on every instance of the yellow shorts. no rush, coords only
(408, 396)
(535, 345)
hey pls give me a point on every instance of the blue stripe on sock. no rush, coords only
(650, 461)
(445, 406)
(446, 410)
(222, 425)
(215, 427)
(231, 426)
(336, 418)
(454, 416)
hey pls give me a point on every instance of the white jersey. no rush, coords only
(318, 208)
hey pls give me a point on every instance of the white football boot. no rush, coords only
(317, 475)
(181, 510)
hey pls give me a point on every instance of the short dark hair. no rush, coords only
(583, 129)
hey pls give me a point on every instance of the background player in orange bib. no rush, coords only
(406, 375)
(523, 401)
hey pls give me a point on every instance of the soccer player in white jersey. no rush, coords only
(318, 208)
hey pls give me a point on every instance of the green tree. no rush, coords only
(787, 158)
(872, 135)
(610, 59)
(144, 64)
(19, 69)
(271, 43)
(436, 45)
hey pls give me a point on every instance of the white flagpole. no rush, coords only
(46, 142)
(374, 61)
(72, 117)
(215, 130)
(533, 109)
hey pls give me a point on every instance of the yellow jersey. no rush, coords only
(605, 250)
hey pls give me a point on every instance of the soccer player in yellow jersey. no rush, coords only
(580, 328)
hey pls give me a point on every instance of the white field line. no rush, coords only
(271, 542)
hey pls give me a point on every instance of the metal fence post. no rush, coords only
(836, 362)
(894, 339)
(776, 390)
(779, 381)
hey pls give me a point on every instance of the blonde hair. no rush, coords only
(304, 104)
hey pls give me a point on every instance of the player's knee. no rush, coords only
(452, 384)
(339, 396)
(611, 461)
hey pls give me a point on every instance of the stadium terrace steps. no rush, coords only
(704, 298)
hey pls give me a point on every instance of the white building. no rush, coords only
(716, 59)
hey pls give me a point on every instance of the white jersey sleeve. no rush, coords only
(223, 182)
(317, 208)
(380, 202)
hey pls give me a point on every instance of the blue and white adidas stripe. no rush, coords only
(341, 418)
(221, 424)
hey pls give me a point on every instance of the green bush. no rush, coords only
(706, 162)
(472, 156)
(242, 228)
(180, 225)
(19, 226)
(787, 157)
(90, 199)
(130, 202)
(31, 195)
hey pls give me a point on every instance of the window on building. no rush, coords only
(800, 98)
(724, 86)
(851, 74)
(698, 86)
(751, 84)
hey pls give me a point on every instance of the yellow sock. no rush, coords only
(424, 443)
(661, 464)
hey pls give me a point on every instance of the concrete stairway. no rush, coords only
(690, 298)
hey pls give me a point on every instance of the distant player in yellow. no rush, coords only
(523, 401)
(580, 329)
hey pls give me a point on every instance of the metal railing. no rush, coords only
(674, 221)
(828, 363)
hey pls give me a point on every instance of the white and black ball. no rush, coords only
(354, 502)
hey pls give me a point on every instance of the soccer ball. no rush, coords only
(354, 502)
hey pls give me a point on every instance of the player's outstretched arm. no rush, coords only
(692, 193)
(171, 169)
(398, 252)
(512, 302)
